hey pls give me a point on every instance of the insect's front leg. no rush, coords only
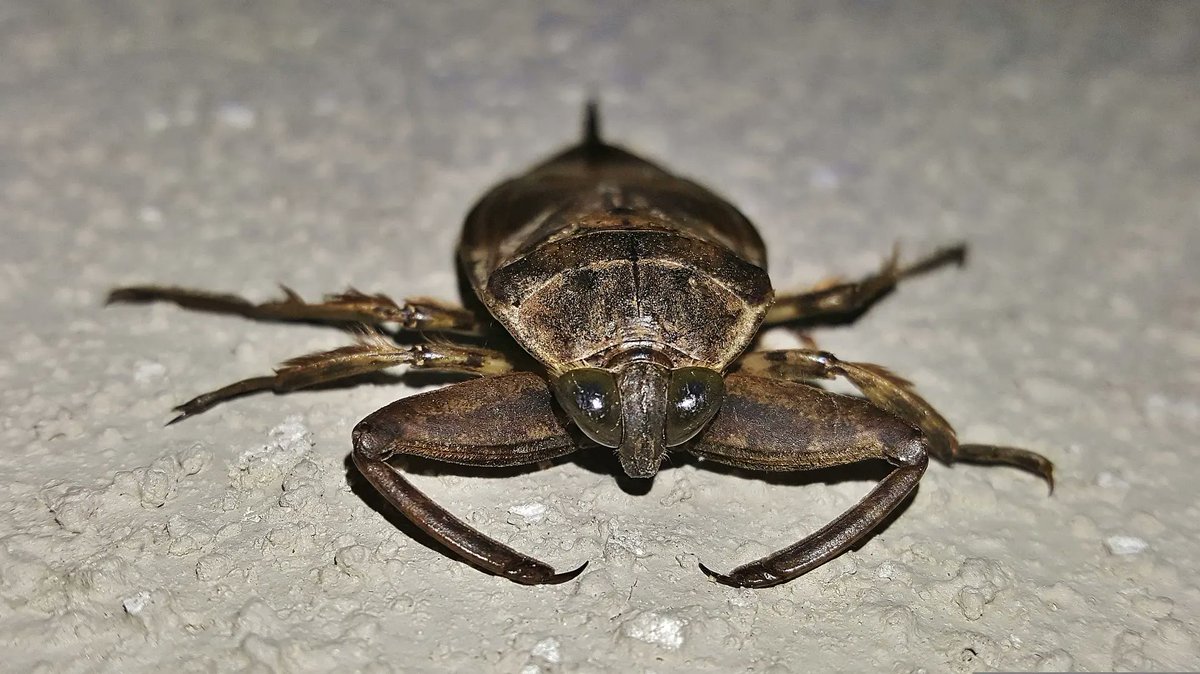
(507, 420)
(372, 352)
(770, 424)
(351, 306)
(844, 300)
(896, 395)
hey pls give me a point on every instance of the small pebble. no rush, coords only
(1125, 545)
(548, 650)
(661, 629)
(237, 116)
(530, 512)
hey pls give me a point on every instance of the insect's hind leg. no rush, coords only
(896, 395)
(507, 420)
(846, 300)
(372, 352)
(351, 306)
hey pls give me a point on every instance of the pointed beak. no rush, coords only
(643, 387)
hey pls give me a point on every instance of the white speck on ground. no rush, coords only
(663, 630)
(1107, 480)
(1125, 545)
(228, 146)
(548, 650)
(148, 371)
(529, 512)
(135, 604)
(288, 444)
(237, 116)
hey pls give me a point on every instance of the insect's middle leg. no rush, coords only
(373, 352)
(896, 395)
(507, 420)
(351, 306)
(841, 300)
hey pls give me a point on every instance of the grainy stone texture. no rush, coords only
(230, 145)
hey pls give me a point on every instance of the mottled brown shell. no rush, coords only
(597, 251)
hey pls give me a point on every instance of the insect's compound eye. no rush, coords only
(694, 396)
(589, 395)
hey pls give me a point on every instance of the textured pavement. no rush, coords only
(234, 145)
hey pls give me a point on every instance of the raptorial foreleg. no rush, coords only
(769, 424)
(507, 420)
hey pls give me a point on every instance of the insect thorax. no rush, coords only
(579, 300)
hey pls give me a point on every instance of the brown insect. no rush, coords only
(637, 293)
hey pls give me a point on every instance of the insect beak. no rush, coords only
(643, 390)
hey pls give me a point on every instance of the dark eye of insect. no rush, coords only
(589, 396)
(694, 396)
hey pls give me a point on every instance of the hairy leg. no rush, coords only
(896, 395)
(351, 306)
(843, 300)
(373, 352)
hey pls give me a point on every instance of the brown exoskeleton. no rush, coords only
(637, 292)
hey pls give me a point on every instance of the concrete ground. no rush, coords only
(233, 145)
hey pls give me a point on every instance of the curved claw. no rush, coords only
(204, 401)
(534, 572)
(1024, 459)
(719, 577)
(566, 575)
(750, 575)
